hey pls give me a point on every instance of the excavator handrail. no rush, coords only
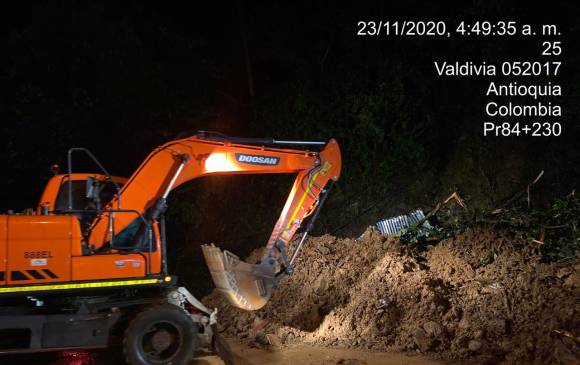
(96, 161)
(216, 136)
(257, 147)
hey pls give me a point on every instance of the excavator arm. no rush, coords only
(245, 285)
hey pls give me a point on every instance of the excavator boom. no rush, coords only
(245, 285)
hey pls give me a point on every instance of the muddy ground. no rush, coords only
(308, 355)
(449, 302)
(243, 355)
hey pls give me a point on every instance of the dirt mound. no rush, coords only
(482, 295)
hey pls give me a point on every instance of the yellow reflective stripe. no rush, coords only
(302, 198)
(100, 284)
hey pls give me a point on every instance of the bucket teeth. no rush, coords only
(245, 285)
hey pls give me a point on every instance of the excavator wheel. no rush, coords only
(161, 335)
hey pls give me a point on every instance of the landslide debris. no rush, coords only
(448, 301)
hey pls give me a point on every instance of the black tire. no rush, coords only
(161, 335)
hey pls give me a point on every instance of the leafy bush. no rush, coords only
(561, 230)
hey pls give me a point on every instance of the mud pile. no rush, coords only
(448, 301)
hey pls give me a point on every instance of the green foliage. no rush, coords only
(555, 229)
(561, 249)
(562, 236)
(417, 236)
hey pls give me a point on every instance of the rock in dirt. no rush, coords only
(496, 327)
(423, 342)
(474, 345)
(323, 250)
(433, 329)
(274, 340)
(321, 286)
(464, 323)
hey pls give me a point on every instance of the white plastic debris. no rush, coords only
(393, 226)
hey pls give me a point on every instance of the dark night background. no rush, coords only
(123, 77)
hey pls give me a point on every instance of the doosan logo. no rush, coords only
(257, 160)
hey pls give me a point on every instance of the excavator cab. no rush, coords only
(88, 193)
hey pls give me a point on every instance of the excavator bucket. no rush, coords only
(246, 286)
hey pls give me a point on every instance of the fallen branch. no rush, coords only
(439, 205)
(532, 183)
(457, 199)
(516, 196)
(567, 334)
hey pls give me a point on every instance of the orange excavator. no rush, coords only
(88, 268)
